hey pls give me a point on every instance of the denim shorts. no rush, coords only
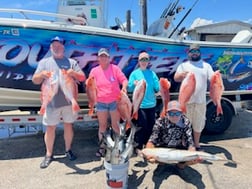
(103, 107)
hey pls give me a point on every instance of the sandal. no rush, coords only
(100, 152)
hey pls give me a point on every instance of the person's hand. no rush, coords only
(195, 161)
(183, 75)
(45, 74)
(151, 159)
(124, 90)
(135, 82)
(70, 72)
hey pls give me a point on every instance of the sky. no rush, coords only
(204, 11)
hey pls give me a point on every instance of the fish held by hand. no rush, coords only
(69, 88)
(49, 88)
(186, 90)
(216, 91)
(165, 94)
(91, 94)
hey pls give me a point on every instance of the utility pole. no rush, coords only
(144, 20)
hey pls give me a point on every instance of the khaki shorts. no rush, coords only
(55, 116)
(196, 113)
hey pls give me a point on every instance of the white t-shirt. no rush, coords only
(51, 64)
(203, 72)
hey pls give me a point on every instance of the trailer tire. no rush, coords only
(217, 124)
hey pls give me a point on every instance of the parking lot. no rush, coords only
(20, 158)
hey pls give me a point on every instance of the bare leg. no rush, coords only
(49, 140)
(68, 135)
(103, 123)
(196, 136)
(115, 118)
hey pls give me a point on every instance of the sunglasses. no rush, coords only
(172, 114)
(144, 60)
(194, 51)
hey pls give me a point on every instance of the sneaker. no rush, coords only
(45, 163)
(70, 155)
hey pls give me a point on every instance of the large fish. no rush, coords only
(124, 107)
(186, 90)
(165, 94)
(129, 145)
(216, 90)
(138, 95)
(168, 155)
(69, 88)
(49, 88)
(91, 94)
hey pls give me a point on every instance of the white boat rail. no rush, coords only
(25, 13)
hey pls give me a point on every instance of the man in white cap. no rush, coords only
(196, 107)
(172, 131)
(58, 107)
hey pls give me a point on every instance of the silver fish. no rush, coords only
(130, 143)
(168, 155)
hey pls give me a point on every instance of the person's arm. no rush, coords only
(178, 77)
(180, 74)
(75, 71)
(79, 76)
(151, 159)
(39, 77)
(125, 85)
(156, 83)
(131, 82)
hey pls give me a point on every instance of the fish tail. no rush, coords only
(162, 114)
(42, 110)
(128, 126)
(90, 111)
(135, 115)
(75, 105)
(219, 110)
(183, 108)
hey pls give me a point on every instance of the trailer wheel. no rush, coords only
(218, 124)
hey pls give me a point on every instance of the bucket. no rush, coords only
(117, 175)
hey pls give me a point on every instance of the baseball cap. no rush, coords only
(143, 55)
(194, 46)
(174, 105)
(103, 51)
(59, 39)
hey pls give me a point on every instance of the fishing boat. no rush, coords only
(25, 41)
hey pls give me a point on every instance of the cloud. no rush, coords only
(249, 21)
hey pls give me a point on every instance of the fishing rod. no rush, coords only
(183, 18)
(165, 11)
(171, 12)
